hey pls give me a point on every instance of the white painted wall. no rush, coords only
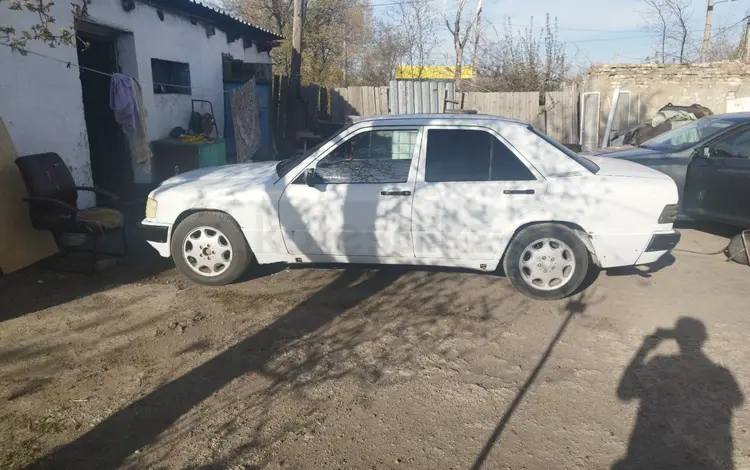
(40, 100)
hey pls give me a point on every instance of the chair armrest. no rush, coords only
(53, 202)
(103, 192)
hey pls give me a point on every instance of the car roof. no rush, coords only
(734, 117)
(451, 117)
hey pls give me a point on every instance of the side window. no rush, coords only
(506, 166)
(471, 155)
(736, 145)
(378, 156)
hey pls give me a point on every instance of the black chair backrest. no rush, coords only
(46, 175)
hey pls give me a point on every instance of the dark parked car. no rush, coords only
(709, 159)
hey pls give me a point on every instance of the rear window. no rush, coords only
(580, 159)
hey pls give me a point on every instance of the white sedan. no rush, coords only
(465, 191)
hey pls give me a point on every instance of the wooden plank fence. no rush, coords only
(558, 117)
(523, 106)
(358, 101)
(561, 120)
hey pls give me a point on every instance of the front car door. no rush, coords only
(361, 201)
(471, 186)
(671, 152)
(718, 180)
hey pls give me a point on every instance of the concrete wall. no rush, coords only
(40, 100)
(654, 85)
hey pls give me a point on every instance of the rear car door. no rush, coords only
(471, 186)
(718, 180)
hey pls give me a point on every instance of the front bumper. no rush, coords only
(157, 236)
(154, 233)
(663, 241)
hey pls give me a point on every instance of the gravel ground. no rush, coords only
(376, 368)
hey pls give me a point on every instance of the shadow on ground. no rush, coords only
(47, 283)
(686, 404)
(297, 351)
(573, 307)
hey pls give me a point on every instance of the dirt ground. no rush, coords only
(375, 368)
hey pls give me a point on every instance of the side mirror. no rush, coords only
(702, 152)
(310, 177)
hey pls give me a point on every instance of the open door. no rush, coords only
(718, 180)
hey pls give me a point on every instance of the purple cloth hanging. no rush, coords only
(123, 103)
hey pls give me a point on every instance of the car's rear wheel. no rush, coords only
(209, 248)
(546, 261)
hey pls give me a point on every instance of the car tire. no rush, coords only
(209, 248)
(546, 261)
(736, 250)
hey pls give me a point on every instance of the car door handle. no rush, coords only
(395, 193)
(518, 191)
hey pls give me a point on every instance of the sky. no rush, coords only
(619, 35)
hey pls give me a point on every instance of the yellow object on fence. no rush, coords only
(432, 72)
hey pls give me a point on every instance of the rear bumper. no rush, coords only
(663, 241)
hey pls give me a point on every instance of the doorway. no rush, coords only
(108, 146)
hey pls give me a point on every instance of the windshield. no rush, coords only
(285, 166)
(687, 136)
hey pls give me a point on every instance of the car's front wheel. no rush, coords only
(546, 261)
(209, 248)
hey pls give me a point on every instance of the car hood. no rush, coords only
(628, 153)
(259, 173)
(626, 168)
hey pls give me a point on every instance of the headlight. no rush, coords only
(668, 215)
(151, 208)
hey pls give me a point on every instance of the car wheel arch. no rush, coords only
(580, 232)
(188, 212)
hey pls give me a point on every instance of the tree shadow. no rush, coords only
(573, 306)
(43, 285)
(687, 401)
(112, 441)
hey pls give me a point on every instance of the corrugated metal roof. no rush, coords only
(226, 21)
(232, 16)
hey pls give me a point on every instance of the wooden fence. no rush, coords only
(359, 101)
(561, 120)
(523, 106)
(557, 117)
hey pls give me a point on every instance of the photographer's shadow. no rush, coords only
(685, 415)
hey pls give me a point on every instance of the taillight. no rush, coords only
(669, 214)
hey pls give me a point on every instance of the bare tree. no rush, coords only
(727, 43)
(658, 18)
(477, 37)
(384, 53)
(515, 62)
(416, 22)
(681, 15)
(460, 29)
(336, 34)
(670, 19)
